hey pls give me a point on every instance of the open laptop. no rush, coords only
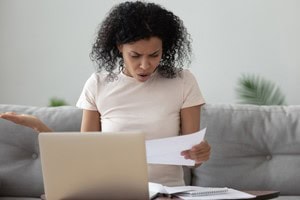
(94, 165)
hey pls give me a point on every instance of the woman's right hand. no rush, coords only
(26, 120)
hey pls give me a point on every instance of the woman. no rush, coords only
(140, 51)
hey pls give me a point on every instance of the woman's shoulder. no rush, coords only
(100, 77)
(182, 75)
(185, 74)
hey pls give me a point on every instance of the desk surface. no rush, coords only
(260, 195)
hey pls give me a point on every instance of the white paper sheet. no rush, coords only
(167, 150)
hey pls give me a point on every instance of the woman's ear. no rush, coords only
(120, 47)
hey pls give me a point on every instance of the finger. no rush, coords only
(200, 145)
(11, 117)
(10, 113)
(183, 153)
(200, 152)
(187, 156)
(201, 158)
(7, 114)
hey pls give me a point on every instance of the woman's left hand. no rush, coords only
(199, 152)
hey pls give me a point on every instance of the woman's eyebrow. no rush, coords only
(155, 52)
(135, 53)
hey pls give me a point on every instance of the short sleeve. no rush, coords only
(191, 92)
(87, 99)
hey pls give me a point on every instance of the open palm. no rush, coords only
(26, 120)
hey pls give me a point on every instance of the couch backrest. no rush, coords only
(20, 167)
(253, 148)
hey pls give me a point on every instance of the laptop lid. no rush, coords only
(94, 165)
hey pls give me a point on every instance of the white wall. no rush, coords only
(45, 46)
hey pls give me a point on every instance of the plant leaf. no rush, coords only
(253, 89)
(54, 102)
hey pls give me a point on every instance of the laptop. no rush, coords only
(94, 165)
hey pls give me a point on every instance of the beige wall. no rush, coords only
(45, 45)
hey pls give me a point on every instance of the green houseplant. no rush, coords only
(54, 102)
(253, 89)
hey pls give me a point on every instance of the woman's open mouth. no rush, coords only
(143, 77)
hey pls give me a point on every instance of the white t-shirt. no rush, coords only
(152, 107)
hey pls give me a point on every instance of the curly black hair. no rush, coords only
(131, 21)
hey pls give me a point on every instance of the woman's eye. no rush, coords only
(154, 56)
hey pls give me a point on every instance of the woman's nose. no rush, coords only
(145, 63)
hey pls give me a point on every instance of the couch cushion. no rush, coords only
(20, 167)
(253, 148)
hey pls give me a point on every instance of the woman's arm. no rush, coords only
(190, 120)
(190, 123)
(26, 120)
(90, 121)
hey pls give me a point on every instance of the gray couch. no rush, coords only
(253, 148)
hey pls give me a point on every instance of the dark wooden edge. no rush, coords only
(262, 195)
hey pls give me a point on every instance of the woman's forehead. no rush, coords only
(149, 44)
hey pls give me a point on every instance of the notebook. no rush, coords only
(204, 191)
(94, 165)
(189, 191)
(199, 193)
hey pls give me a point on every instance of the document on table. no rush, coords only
(167, 150)
(199, 193)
